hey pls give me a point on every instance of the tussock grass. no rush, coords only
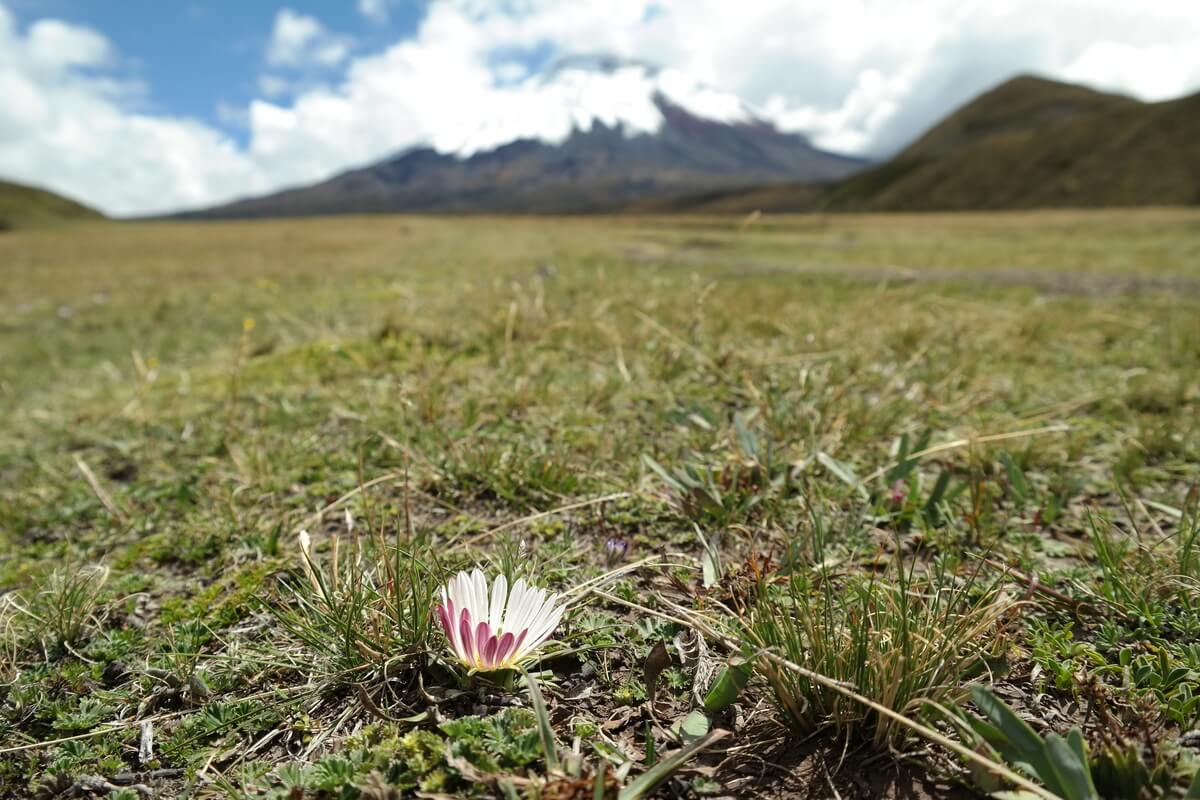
(364, 611)
(908, 643)
(60, 609)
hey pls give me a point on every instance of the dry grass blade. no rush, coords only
(98, 490)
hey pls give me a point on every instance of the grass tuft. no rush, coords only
(364, 611)
(59, 611)
(907, 643)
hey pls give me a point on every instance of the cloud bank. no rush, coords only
(861, 76)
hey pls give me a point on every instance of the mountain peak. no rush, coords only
(594, 133)
(579, 93)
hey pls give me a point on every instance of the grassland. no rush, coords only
(911, 454)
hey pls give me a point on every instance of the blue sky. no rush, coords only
(147, 106)
(197, 56)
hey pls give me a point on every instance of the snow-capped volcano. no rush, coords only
(590, 134)
(582, 92)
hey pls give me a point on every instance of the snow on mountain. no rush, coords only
(581, 93)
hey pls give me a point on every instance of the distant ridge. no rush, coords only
(1028, 143)
(25, 207)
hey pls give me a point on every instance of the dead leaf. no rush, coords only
(658, 660)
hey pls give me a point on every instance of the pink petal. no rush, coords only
(520, 639)
(464, 632)
(503, 648)
(482, 634)
(448, 614)
(489, 652)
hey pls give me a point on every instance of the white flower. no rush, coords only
(497, 629)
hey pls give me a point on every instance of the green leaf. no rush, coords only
(1193, 792)
(1015, 729)
(710, 570)
(932, 512)
(841, 471)
(662, 472)
(598, 783)
(692, 727)
(746, 438)
(1071, 767)
(729, 684)
(711, 561)
(1075, 740)
(1016, 741)
(1016, 480)
(902, 466)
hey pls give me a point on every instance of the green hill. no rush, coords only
(1028, 143)
(1021, 105)
(1033, 143)
(25, 207)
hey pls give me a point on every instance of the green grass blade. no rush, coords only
(645, 783)
(545, 731)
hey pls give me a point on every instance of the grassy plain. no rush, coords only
(911, 453)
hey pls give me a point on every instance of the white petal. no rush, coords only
(458, 592)
(499, 597)
(547, 621)
(527, 606)
(516, 595)
(479, 597)
(532, 643)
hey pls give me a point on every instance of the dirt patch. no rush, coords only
(779, 764)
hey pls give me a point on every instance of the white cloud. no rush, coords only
(55, 45)
(67, 127)
(273, 85)
(1155, 71)
(861, 76)
(375, 10)
(298, 40)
